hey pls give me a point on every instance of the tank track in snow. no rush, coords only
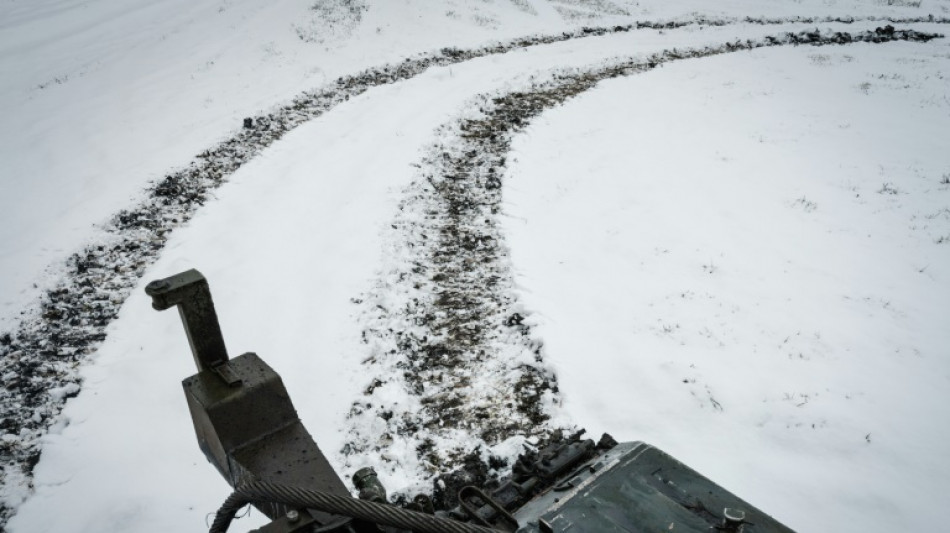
(40, 358)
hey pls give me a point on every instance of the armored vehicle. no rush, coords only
(248, 429)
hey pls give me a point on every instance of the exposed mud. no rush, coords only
(39, 360)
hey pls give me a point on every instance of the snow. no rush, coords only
(775, 311)
(101, 97)
(739, 259)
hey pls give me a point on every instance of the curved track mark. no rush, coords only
(459, 382)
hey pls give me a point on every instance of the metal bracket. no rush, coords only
(244, 420)
(189, 291)
(470, 493)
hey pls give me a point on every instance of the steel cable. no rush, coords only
(339, 505)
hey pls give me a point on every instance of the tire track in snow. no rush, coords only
(459, 382)
(39, 361)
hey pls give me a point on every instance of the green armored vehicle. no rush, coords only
(248, 428)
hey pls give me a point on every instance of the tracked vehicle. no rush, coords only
(248, 429)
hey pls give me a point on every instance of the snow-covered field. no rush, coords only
(743, 259)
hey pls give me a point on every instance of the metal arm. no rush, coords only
(244, 420)
(190, 292)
